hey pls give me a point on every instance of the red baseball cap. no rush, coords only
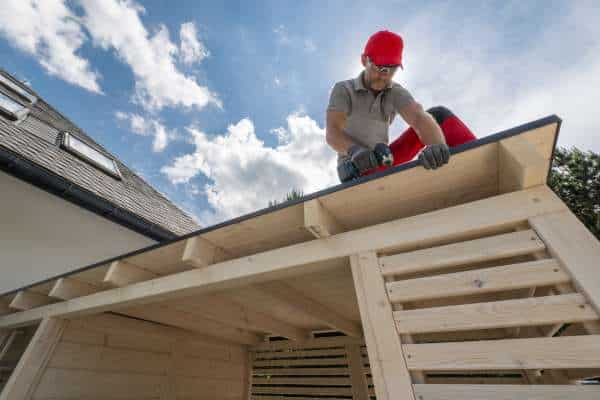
(385, 48)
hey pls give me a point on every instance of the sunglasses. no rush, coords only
(383, 69)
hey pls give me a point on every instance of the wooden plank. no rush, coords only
(500, 314)
(315, 391)
(6, 341)
(358, 378)
(300, 362)
(319, 221)
(536, 353)
(324, 371)
(317, 343)
(201, 253)
(472, 251)
(70, 288)
(311, 307)
(514, 276)
(276, 380)
(300, 354)
(24, 379)
(428, 229)
(122, 273)
(507, 392)
(26, 300)
(388, 366)
(570, 242)
(520, 165)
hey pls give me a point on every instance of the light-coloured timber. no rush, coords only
(319, 221)
(289, 353)
(200, 253)
(427, 229)
(311, 307)
(388, 366)
(331, 381)
(507, 392)
(360, 388)
(6, 340)
(70, 288)
(122, 273)
(27, 299)
(536, 353)
(501, 314)
(521, 165)
(320, 343)
(514, 276)
(472, 251)
(570, 242)
(314, 391)
(32, 364)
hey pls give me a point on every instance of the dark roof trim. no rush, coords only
(458, 149)
(38, 176)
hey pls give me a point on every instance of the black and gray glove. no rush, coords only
(363, 158)
(435, 155)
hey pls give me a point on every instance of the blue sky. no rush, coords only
(220, 105)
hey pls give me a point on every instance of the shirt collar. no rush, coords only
(358, 83)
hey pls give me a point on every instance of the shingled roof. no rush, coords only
(30, 149)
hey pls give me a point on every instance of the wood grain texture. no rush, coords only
(506, 392)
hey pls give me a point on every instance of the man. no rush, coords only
(361, 111)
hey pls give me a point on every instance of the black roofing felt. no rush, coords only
(455, 150)
(29, 151)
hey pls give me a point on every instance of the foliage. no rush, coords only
(294, 194)
(575, 177)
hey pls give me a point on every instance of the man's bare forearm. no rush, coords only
(339, 140)
(428, 130)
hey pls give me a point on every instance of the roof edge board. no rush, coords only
(496, 137)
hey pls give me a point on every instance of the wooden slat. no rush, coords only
(201, 253)
(520, 165)
(358, 378)
(302, 361)
(311, 307)
(315, 391)
(388, 366)
(324, 371)
(472, 251)
(122, 273)
(509, 313)
(507, 392)
(275, 380)
(70, 288)
(293, 397)
(319, 221)
(422, 230)
(536, 353)
(26, 376)
(570, 242)
(26, 300)
(515, 276)
(318, 343)
(300, 354)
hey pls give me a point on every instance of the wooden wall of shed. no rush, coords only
(93, 361)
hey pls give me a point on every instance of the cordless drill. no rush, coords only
(347, 170)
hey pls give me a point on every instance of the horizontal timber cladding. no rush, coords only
(321, 368)
(112, 357)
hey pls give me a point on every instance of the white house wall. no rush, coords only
(42, 235)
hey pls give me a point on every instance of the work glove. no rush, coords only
(435, 155)
(363, 158)
(384, 155)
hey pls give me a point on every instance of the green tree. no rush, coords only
(294, 194)
(575, 178)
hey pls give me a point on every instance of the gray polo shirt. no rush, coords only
(368, 116)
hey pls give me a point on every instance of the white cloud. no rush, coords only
(310, 46)
(146, 126)
(49, 31)
(116, 24)
(244, 174)
(282, 35)
(191, 49)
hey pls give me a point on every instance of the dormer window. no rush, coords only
(16, 89)
(10, 108)
(89, 154)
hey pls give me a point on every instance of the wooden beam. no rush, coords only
(521, 166)
(221, 309)
(537, 353)
(570, 242)
(200, 253)
(546, 310)
(472, 251)
(319, 221)
(358, 378)
(26, 376)
(122, 273)
(70, 288)
(508, 277)
(26, 299)
(311, 307)
(6, 341)
(388, 366)
(427, 229)
(507, 392)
